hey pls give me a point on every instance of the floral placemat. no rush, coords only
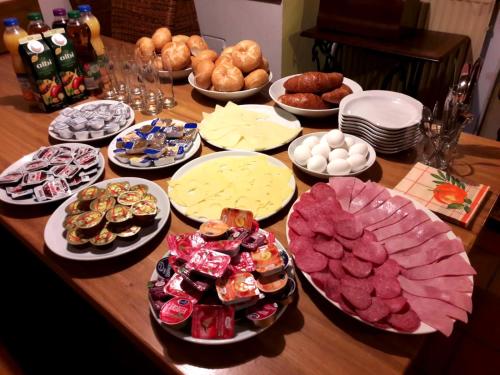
(442, 193)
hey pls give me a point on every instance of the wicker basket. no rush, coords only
(133, 19)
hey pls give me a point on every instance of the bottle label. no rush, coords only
(92, 76)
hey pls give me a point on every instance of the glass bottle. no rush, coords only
(36, 24)
(60, 18)
(79, 33)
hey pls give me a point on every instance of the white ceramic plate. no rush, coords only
(385, 109)
(369, 126)
(381, 139)
(177, 74)
(129, 122)
(56, 241)
(277, 89)
(382, 148)
(227, 96)
(32, 201)
(222, 154)
(276, 115)
(424, 328)
(241, 332)
(112, 147)
(370, 159)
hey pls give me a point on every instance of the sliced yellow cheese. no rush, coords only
(246, 182)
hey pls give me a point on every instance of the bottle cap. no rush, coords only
(11, 21)
(74, 14)
(84, 8)
(59, 12)
(35, 16)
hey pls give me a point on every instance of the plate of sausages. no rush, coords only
(312, 94)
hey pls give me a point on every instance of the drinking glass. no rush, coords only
(119, 72)
(151, 95)
(166, 81)
(134, 83)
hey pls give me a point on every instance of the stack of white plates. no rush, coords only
(385, 119)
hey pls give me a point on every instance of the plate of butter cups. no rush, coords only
(332, 153)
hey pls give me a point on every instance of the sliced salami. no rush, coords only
(332, 288)
(397, 304)
(320, 278)
(366, 284)
(299, 225)
(406, 322)
(322, 191)
(311, 261)
(367, 249)
(358, 298)
(377, 311)
(335, 267)
(329, 247)
(301, 244)
(356, 267)
(390, 268)
(386, 287)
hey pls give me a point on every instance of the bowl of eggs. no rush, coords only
(332, 153)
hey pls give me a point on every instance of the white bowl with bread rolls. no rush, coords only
(239, 72)
(312, 94)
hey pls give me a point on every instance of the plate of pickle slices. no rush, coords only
(107, 219)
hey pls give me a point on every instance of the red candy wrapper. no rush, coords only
(177, 287)
(212, 322)
(209, 263)
(194, 280)
(229, 247)
(242, 263)
(182, 246)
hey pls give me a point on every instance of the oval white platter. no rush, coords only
(276, 115)
(221, 154)
(112, 147)
(424, 328)
(32, 201)
(129, 122)
(54, 231)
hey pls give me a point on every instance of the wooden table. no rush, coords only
(311, 337)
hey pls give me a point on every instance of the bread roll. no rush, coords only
(264, 64)
(161, 37)
(177, 54)
(301, 100)
(203, 73)
(227, 78)
(313, 82)
(257, 78)
(336, 95)
(196, 44)
(224, 59)
(246, 55)
(146, 49)
(180, 38)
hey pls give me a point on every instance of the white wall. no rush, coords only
(46, 7)
(235, 20)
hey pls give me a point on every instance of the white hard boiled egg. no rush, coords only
(320, 149)
(359, 148)
(316, 163)
(357, 162)
(301, 154)
(338, 167)
(349, 141)
(338, 153)
(324, 140)
(310, 141)
(335, 138)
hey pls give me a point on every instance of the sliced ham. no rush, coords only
(328, 246)
(453, 283)
(377, 311)
(358, 298)
(401, 227)
(457, 299)
(353, 228)
(367, 195)
(418, 235)
(343, 189)
(429, 252)
(452, 266)
(394, 218)
(355, 266)
(357, 188)
(379, 199)
(367, 249)
(406, 322)
(299, 225)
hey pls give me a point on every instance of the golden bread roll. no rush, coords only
(177, 54)
(257, 78)
(224, 59)
(246, 55)
(140, 40)
(146, 49)
(196, 44)
(203, 73)
(227, 78)
(264, 64)
(227, 51)
(209, 54)
(161, 37)
(158, 62)
(180, 38)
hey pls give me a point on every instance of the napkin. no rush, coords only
(444, 194)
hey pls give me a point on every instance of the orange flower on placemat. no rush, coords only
(450, 191)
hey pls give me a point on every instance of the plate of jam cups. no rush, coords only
(50, 174)
(224, 283)
(107, 219)
(92, 121)
(155, 144)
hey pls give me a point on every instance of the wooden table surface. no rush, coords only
(311, 337)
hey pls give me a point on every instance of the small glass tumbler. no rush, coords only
(134, 83)
(166, 81)
(151, 96)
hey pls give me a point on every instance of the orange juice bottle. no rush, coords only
(13, 32)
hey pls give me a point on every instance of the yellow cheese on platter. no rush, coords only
(234, 127)
(252, 183)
